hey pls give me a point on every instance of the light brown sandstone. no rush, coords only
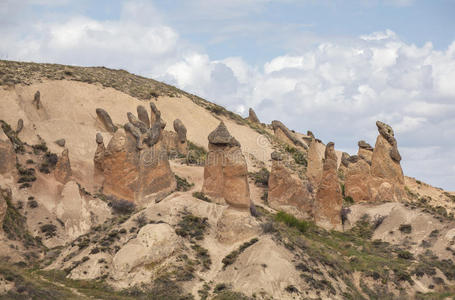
(365, 151)
(7, 154)
(314, 169)
(329, 200)
(252, 117)
(358, 180)
(286, 136)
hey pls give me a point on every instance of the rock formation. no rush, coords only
(4, 193)
(285, 135)
(180, 129)
(37, 100)
(20, 126)
(358, 180)
(106, 120)
(225, 171)
(98, 160)
(365, 151)
(314, 169)
(329, 200)
(143, 115)
(288, 192)
(62, 170)
(7, 154)
(154, 112)
(135, 163)
(252, 117)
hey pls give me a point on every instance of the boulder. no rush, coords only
(329, 199)
(7, 154)
(61, 142)
(252, 117)
(225, 171)
(62, 170)
(314, 168)
(288, 192)
(181, 142)
(285, 135)
(106, 120)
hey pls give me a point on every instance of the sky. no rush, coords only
(330, 66)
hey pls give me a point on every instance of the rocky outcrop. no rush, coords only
(62, 170)
(365, 151)
(106, 120)
(7, 154)
(154, 113)
(329, 200)
(19, 126)
(252, 117)
(98, 160)
(181, 142)
(285, 135)
(61, 142)
(4, 193)
(143, 115)
(314, 169)
(135, 163)
(288, 192)
(225, 171)
(358, 180)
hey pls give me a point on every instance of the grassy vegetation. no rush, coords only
(201, 196)
(196, 154)
(261, 177)
(291, 221)
(192, 226)
(299, 156)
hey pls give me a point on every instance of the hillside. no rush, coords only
(233, 208)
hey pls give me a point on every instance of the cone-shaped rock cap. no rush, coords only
(221, 136)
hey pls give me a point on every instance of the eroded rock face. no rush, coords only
(62, 170)
(285, 135)
(288, 192)
(329, 200)
(3, 206)
(135, 163)
(386, 159)
(358, 180)
(7, 154)
(134, 174)
(143, 115)
(252, 116)
(98, 160)
(225, 171)
(314, 169)
(153, 244)
(181, 142)
(365, 151)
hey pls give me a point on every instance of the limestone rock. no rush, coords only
(143, 115)
(153, 244)
(285, 135)
(133, 174)
(61, 142)
(314, 169)
(225, 171)
(329, 200)
(7, 154)
(252, 116)
(288, 192)
(62, 170)
(106, 120)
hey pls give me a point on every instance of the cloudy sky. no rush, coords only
(330, 66)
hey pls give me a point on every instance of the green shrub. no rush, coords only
(261, 177)
(232, 257)
(182, 184)
(201, 196)
(121, 206)
(192, 227)
(292, 221)
(405, 228)
(50, 230)
(196, 154)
